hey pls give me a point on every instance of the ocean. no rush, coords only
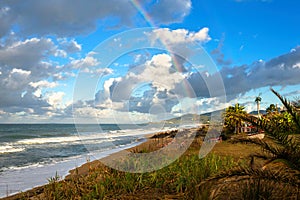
(32, 153)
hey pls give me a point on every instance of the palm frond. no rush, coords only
(290, 108)
(280, 161)
(249, 173)
(282, 148)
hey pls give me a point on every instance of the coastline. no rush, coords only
(63, 170)
(149, 141)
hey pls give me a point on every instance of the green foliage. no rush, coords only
(290, 109)
(284, 122)
(181, 177)
(280, 150)
(257, 99)
(271, 109)
(232, 122)
(54, 187)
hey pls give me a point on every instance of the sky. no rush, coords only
(134, 61)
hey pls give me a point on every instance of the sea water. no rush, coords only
(32, 153)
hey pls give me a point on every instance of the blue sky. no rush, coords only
(169, 58)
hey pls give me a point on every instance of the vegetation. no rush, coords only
(177, 181)
(278, 177)
(257, 101)
(271, 109)
(233, 122)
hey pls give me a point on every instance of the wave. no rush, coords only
(89, 156)
(10, 149)
(49, 140)
(83, 137)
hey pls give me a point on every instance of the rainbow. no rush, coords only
(145, 14)
(151, 23)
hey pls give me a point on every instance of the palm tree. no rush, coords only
(257, 101)
(231, 121)
(272, 108)
(281, 169)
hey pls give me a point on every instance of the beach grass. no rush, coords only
(178, 180)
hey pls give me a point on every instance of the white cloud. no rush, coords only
(94, 115)
(160, 66)
(119, 93)
(35, 45)
(34, 40)
(20, 72)
(104, 71)
(61, 53)
(179, 42)
(27, 54)
(70, 46)
(43, 84)
(297, 65)
(37, 93)
(179, 36)
(84, 63)
(55, 99)
(16, 79)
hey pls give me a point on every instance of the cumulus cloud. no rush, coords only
(26, 54)
(153, 87)
(16, 79)
(73, 17)
(36, 50)
(89, 64)
(25, 66)
(179, 42)
(43, 83)
(55, 99)
(279, 71)
(38, 86)
(65, 17)
(70, 46)
(121, 92)
(84, 63)
(179, 36)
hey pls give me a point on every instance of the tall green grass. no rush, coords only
(179, 178)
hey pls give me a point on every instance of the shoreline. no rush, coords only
(63, 168)
(83, 169)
